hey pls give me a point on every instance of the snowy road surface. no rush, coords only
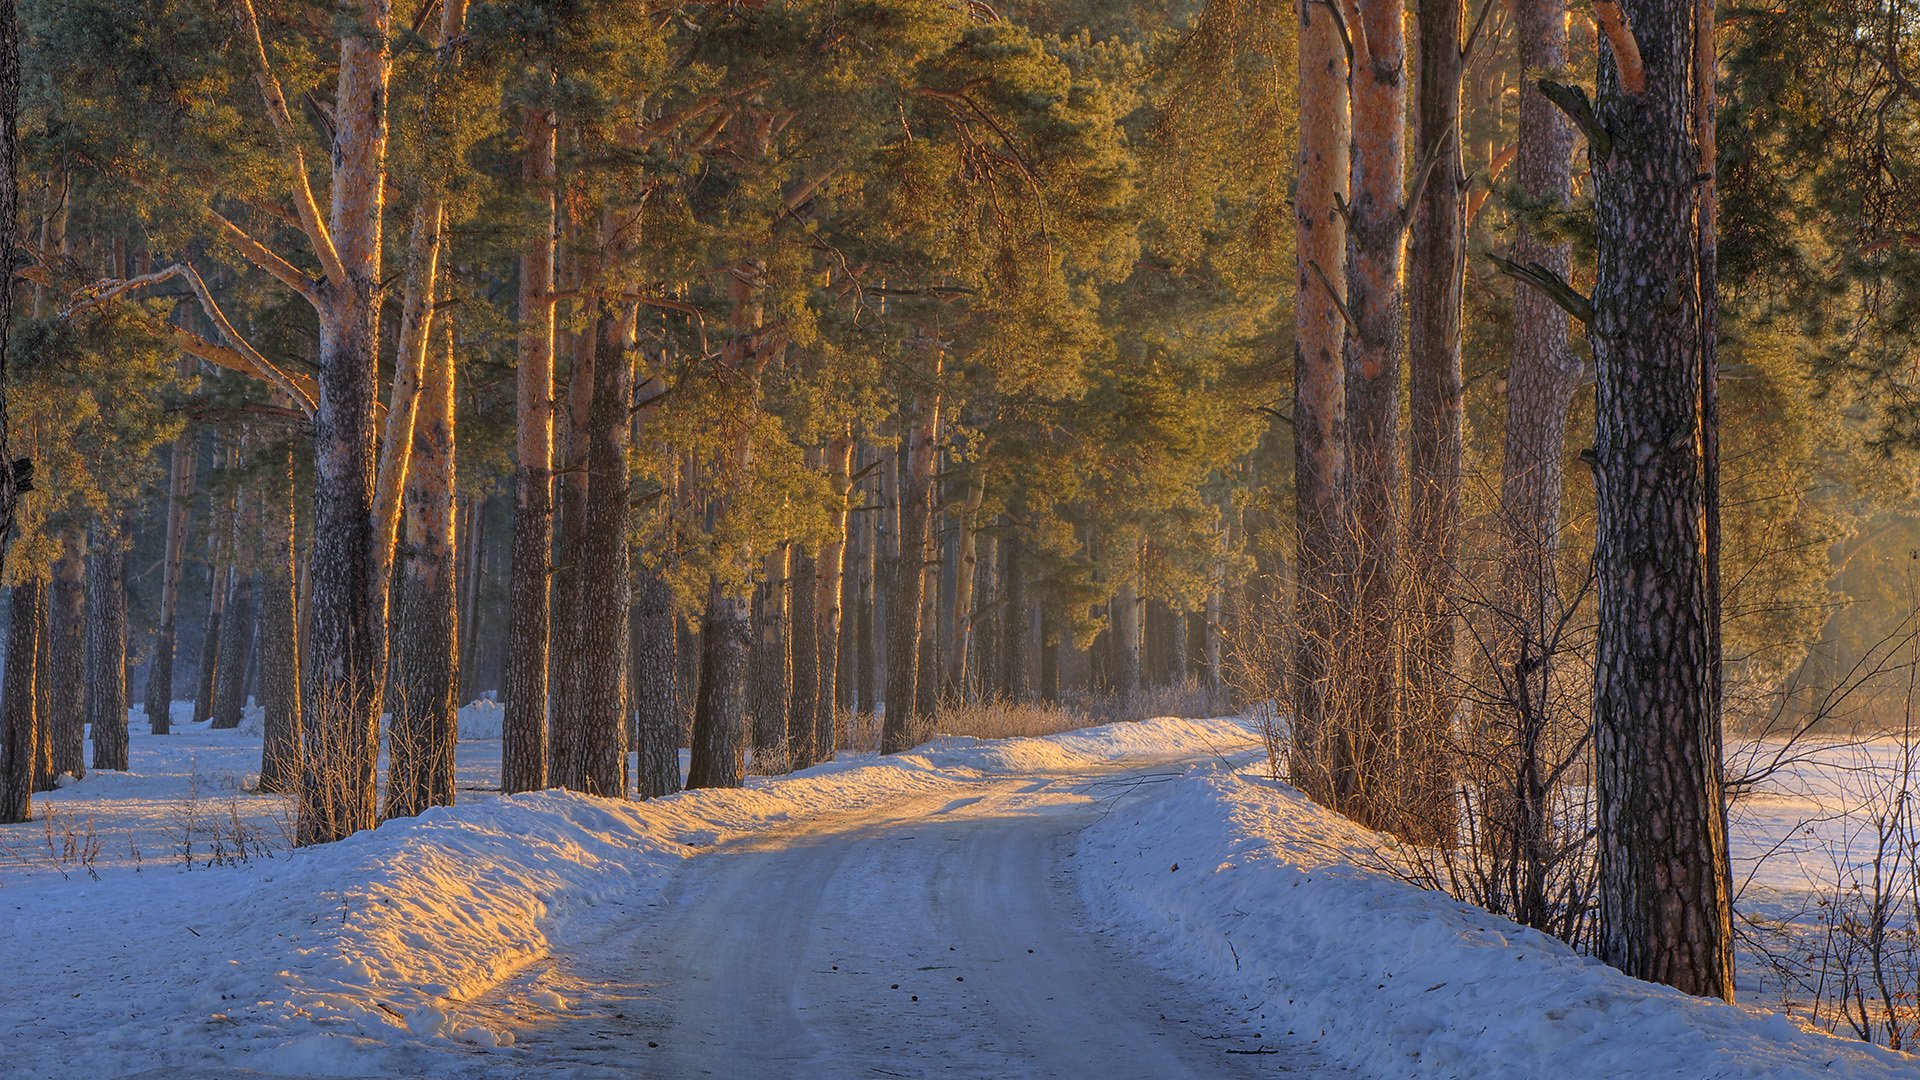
(935, 936)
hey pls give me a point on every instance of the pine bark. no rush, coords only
(1663, 887)
(279, 633)
(770, 664)
(655, 686)
(720, 706)
(67, 656)
(566, 740)
(106, 645)
(219, 587)
(20, 736)
(1368, 769)
(1319, 374)
(347, 636)
(423, 734)
(966, 569)
(523, 751)
(598, 764)
(1436, 265)
(1016, 636)
(984, 651)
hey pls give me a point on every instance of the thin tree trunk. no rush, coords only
(900, 729)
(831, 586)
(1049, 653)
(566, 739)
(424, 733)
(106, 645)
(279, 632)
(219, 587)
(1127, 610)
(236, 643)
(180, 477)
(67, 656)
(523, 751)
(1016, 644)
(1436, 265)
(804, 700)
(984, 651)
(966, 569)
(886, 570)
(19, 726)
(1319, 412)
(473, 563)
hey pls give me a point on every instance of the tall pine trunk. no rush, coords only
(180, 477)
(1368, 762)
(424, 731)
(804, 699)
(106, 645)
(1016, 636)
(830, 586)
(1663, 885)
(523, 750)
(346, 635)
(1319, 377)
(67, 656)
(920, 413)
(1436, 265)
(566, 739)
(279, 631)
(236, 646)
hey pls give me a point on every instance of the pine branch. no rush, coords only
(1626, 48)
(296, 158)
(1564, 296)
(1573, 101)
(264, 257)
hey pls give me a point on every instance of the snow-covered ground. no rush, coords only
(414, 949)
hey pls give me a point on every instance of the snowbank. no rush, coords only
(1241, 882)
(356, 958)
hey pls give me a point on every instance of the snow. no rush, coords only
(367, 957)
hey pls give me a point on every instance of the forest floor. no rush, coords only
(870, 917)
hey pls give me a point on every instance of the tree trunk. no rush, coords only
(1663, 887)
(1016, 640)
(719, 710)
(236, 643)
(1436, 263)
(219, 587)
(19, 726)
(424, 732)
(473, 570)
(1319, 412)
(180, 477)
(106, 645)
(886, 571)
(867, 628)
(9, 243)
(566, 740)
(655, 687)
(927, 677)
(523, 750)
(1368, 770)
(279, 632)
(1127, 608)
(770, 664)
(804, 701)
(900, 728)
(67, 656)
(984, 651)
(830, 584)
(598, 709)
(1049, 653)
(960, 634)
(346, 631)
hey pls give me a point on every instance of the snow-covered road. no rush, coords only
(936, 936)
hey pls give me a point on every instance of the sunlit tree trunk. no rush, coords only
(424, 731)
(1368, 770)
(1319, 411)
(771, 663)
(1663, 886)
(655, 689)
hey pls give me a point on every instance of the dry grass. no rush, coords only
(1032, 719)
